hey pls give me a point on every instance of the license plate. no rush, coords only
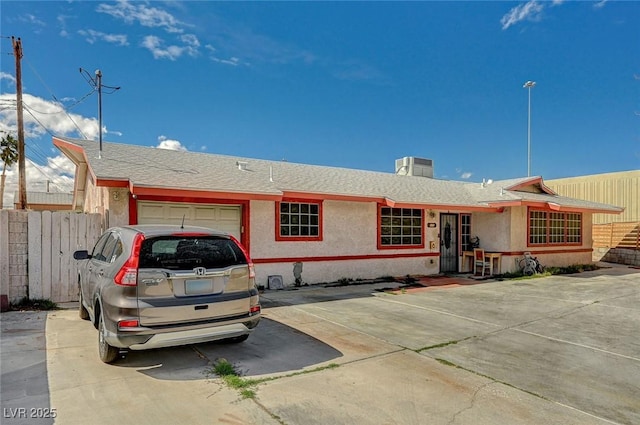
(198, 287)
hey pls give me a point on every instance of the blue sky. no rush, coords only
(348, 84)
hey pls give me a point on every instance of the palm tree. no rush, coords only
(9, 156)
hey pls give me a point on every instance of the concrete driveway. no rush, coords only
(556, 350)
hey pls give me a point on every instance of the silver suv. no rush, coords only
(151, 286)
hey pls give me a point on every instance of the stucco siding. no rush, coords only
(494, 230)
(349, 229)
(315, 272)
(112, 203)
(117, 201)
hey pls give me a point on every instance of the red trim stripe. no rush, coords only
(344, 258)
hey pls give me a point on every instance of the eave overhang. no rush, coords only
(553, 206)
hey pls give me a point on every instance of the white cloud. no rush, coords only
(166, 143)
(58, 171)
(233, 61)
(62, 21)
(466, 175)
(600, 4)
(7, 76)
(92, 36)
(42, 116)
(157, 48)
(32, 19)
(530, 11)
(144, 15)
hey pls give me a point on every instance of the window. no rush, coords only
(299, 221)
(554, 228)
(537, 227)
(465, 232)
(186, 253)
(401, 227)
(110, 248)
(97, 249)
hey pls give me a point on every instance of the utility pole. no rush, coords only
(97, 84)
(22, 180)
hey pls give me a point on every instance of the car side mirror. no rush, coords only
(82, 254)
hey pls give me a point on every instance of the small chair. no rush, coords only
(479, 261)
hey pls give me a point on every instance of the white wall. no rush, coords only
(117, 202)
(349, 229)
(493, 229)
(507, 232)
(101, 200)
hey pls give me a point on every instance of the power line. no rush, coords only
(51, 179)
(53, 96)
(97, 84)
(26, 108)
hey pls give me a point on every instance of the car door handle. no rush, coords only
(90, 268)
(101, 272)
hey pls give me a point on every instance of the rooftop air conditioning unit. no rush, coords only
(412, 166)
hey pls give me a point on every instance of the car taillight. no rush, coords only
(252, 269)
(254, 309)
(123, 324)
(128, 273)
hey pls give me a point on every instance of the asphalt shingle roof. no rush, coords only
(169, 169)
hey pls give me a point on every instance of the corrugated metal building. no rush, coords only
(621, 189)
(46, 201)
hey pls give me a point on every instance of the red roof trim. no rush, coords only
(331, 197)
(157, 191)
(63, 145)
(550, 206)
(112, 183)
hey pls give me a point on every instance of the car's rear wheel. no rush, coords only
(82, 311)
(108, 354)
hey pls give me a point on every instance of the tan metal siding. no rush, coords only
(619, 189)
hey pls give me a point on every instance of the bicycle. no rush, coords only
(530, 265)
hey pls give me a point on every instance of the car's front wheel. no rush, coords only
(108, 354)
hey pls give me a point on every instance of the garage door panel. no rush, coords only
(152, 212)
(229, 214)
(175, 212)
(227, 218)
(205, 213)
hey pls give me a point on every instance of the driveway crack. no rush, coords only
(474, 398)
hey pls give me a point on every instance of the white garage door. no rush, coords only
(220, 217)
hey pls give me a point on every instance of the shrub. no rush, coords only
(36, 304)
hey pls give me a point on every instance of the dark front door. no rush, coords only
(448, 243)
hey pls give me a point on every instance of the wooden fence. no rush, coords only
(36, 252)
(617, 235)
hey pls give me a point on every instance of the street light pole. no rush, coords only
(529, 85)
